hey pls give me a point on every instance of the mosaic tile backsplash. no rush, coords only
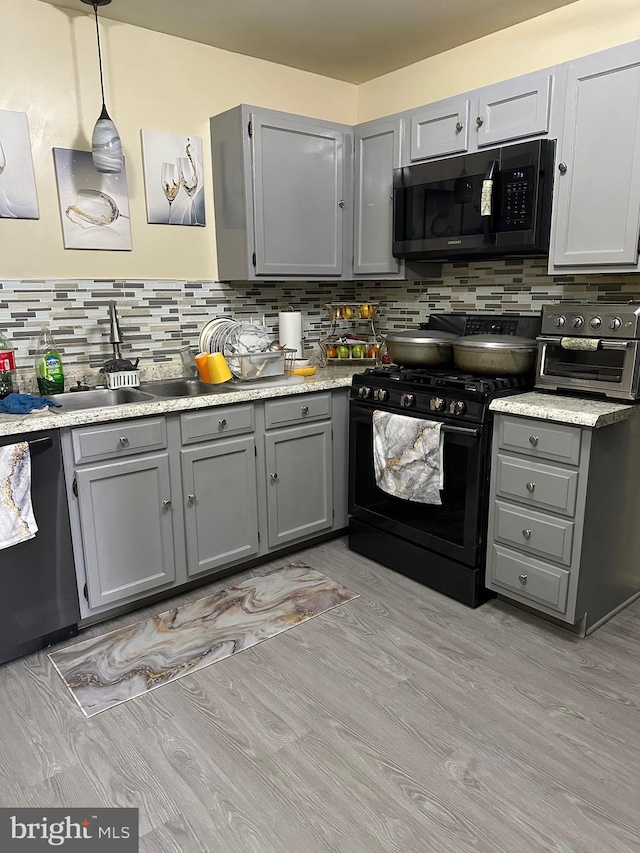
(158, 317)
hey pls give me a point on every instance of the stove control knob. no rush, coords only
(457, 408)
(577, 322)
(561, 322)
(381, 394)
(615, 324)
(364, 392)
(436, 404)
(408, 400)
(595, 322)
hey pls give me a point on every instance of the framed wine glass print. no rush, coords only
(18, 199)
(173, 178)
(94, 206)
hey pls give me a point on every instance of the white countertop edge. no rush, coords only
(326, 379)
(581, 411)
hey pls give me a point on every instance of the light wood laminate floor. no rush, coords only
(402, 721)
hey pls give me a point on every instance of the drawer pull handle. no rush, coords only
(533, 440)
(191, 499)
(531, 487)
(526, 533)
(479, 121)
(522, 579)
(459, 126)
(274, 477)
(166, 504)
(124, 441)
(305, 410)
(222, 422)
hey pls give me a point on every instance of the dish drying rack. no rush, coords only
(250, 366)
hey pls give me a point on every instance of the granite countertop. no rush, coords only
(581, 411)
(325, 379)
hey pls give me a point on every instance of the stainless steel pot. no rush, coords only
(495, 355)
(420, 348)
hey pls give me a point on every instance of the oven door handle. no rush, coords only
(604, 343)
(456, 430)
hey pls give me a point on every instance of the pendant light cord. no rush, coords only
(95, 9)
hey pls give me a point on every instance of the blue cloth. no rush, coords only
(22, 404)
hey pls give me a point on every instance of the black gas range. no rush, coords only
(440, 546)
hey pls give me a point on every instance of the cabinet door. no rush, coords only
(127, 528)
(299, 197)
(440, 129)
(378, 148)
(299, 485)
(220, 498)
(514, 109)
(597, 186)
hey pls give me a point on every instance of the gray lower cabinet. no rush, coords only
(563, 536)
(596, 209)
(126, 516)
(283, 189)
(220, 495)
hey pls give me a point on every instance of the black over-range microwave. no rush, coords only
(489, 204)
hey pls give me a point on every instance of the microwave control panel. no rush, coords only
(517, 197)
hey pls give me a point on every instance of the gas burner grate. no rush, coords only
(446, 378)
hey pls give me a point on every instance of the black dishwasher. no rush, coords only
(39, 600)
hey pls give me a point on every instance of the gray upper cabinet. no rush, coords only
(378, 151)
(221, 513)
(126, 518)
(440, 129)
(283, 188)
(596, 211)
(500, 113)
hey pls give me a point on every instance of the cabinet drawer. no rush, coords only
(541, 439)
(530, 580)
(531, 531)
(536, 484)
(297, 410)
(122, 439)
(215, 422)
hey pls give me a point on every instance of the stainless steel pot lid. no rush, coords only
(421, 336)
(496, 342)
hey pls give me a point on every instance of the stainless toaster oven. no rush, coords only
(592, 348)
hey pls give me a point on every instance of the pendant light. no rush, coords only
(106, 147)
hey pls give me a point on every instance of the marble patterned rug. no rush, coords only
(110, 669)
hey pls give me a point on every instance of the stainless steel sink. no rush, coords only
(167, 388)
(98, 398)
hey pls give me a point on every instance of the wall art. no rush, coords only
(18, 199)
(173, 178)
(94, 206)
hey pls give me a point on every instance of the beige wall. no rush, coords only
(583, 27)
(49, 69)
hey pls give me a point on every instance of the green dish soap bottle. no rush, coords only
(49, 370)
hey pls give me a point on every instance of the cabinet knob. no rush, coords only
(305, 410)
(166, 504)
(222, 422)
(562, 168)
(531, 487)
(274, 477)
(533, 440)
(459, 126)
(124, 441)
(191, 499)
(479, 121)
(526, 533)
(341, 203)
(522, 579)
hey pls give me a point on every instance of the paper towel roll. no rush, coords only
(290, 330)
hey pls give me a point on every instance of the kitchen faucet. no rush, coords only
(115, 335)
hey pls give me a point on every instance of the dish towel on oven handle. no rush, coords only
(17, 522)
(407, 457)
